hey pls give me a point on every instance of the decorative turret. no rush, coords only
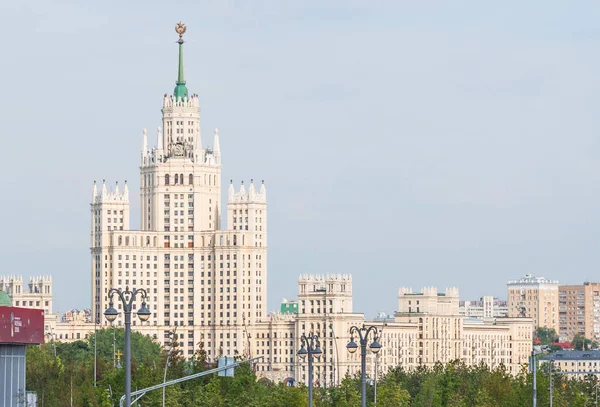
(231, 191)
(110, 196)
(217, 148)
(144, 148)
(250, 196)
(94, 192)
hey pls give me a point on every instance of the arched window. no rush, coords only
(166, 179)
(120, 240)
(234, 240)
(176, 179)
(191, 179)
(181, 178)
(126, 240)
(154, 241)
(147, 240)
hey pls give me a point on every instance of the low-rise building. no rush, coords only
(576, 363)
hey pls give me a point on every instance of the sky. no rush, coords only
(406, 143)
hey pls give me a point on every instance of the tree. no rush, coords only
(546, 336)
(580, 342)
(391, 394)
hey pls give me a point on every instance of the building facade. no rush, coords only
(579, 311)
(536, 298)
(486, 307)
(37, 294)
(207, 281)
(576, 363)
(209, 284)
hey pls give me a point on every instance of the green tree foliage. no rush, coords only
(67, 379)
(546, 336)
(580, 342)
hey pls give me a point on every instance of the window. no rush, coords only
(166, 179)
(191, 179)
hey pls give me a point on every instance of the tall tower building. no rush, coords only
(579, 311)
(198, 276)
(536, 298)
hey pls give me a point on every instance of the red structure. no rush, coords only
(21, 325)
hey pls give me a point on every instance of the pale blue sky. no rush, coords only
(438, 143)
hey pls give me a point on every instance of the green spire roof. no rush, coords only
(180, 89)
(5, 300)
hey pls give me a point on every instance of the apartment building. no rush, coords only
(535, 298)
(579, 311)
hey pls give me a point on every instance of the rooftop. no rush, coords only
(573, 355)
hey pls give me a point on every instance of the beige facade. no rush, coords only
(579, 311)
(207, 281)
(38, 293)
(536, 298)
(577, 364)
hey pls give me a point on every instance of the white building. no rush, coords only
(486, 307)
(37, 295)
(201, 278)
(210, 284)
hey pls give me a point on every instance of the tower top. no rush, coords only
(180, 89)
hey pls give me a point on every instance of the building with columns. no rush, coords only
(209, 283)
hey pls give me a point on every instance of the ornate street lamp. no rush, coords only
(363, 335)
(127, 298)
(310, 347)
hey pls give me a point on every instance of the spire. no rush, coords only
(263, 190)
(117, 188)
(242, 189)
(180, 90)
(94, 193)
(159, 142)
(217, 147)
(145, 144)
(231, 191)
(251, 191)
(126, 192)
(104, 192)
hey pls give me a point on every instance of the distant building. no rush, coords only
(38, 294)
(579, 363)
(536, 298)
(579, 311)
(486, 307)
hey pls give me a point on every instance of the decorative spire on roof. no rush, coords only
(180, 90)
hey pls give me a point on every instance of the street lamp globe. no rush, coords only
(143, 313)
(111, 313)
(317, 351)
(352, 346)
(375, 346)
(302, 352)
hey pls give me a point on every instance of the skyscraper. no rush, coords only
(196, 274)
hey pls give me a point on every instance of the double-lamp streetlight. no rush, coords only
(310, 347)
(127, 298)
(363, 336)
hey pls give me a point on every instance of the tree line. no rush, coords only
(62, 374)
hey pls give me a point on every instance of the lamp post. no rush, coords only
(173, 336)
(127, 298)
(310, 347)
(375, 346)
